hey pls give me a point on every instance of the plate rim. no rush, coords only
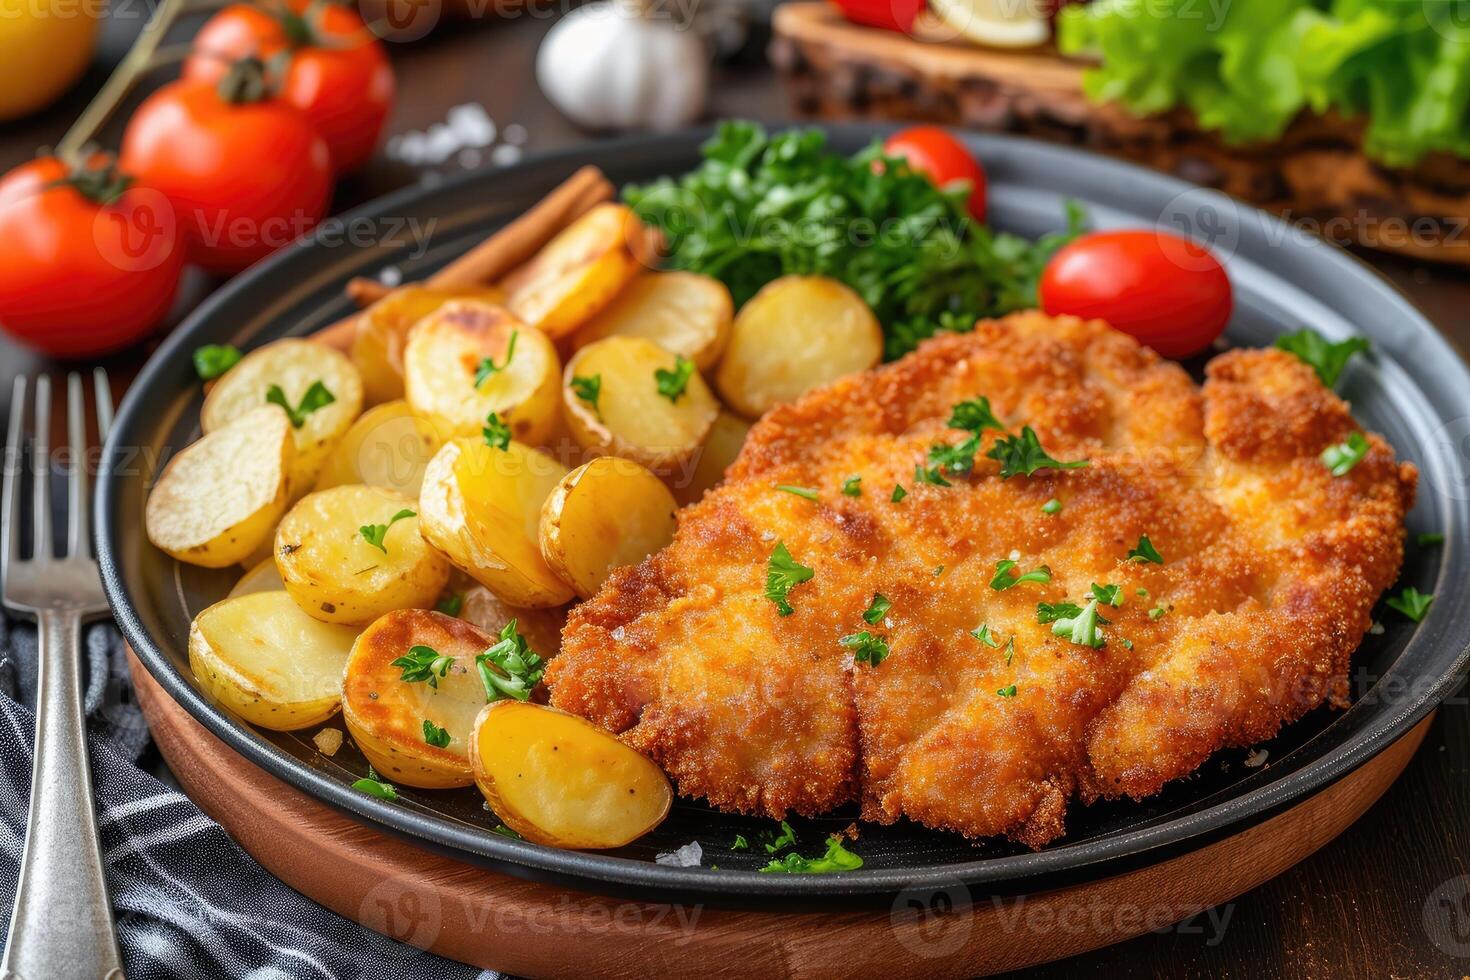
(609, 874)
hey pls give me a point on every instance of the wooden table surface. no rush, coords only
(1390, 898)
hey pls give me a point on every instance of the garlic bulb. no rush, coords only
(624, 64)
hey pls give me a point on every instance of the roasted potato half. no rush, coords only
(352, 553)
(262, 577)
(216, 501)
(629, 417)
(388, 446)
(578, 272)
(481, 506)
(558, 779)
(382, 333)
(315, 382)
(542, 628)
(603, 515)
(682, 312)
(386, 713)
(268, 661)
(721, 446)
(470, 359)
(797, 333)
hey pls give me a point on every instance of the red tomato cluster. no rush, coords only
(222, 167)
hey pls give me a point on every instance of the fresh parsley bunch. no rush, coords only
(762, 206)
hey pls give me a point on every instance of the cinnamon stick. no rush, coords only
(504, 250)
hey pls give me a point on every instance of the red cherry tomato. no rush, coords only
(89, 261)
(944, 159)
(890, 15)
(246, 172)
(1166, 291)
(338, 74)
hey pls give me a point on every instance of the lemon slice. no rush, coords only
(994, 23)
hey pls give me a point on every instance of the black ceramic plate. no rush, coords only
(1414, 390)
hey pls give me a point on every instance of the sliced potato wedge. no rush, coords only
(382, 333)
(603, 515)
(388, 446)
(516, 366)
(334, 571)
(795, 334)
(726, 437)
(578, 272)
(682, 312)
(268, 661)
(262, 577)
(541, 627)
(294, 367)
(558, 779)
(386, 713)
(630, 418)
(481, 506)
(216, 501)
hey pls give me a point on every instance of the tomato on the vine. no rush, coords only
(89, 260)
(246, 172)
(1165, 291)
(943, 159)
(338, 72)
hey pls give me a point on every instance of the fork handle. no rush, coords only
(62, 924)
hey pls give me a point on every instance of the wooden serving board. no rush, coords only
(491, 920)
(1315, 175)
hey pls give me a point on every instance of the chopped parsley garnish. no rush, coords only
(898, 493)
(588, 389)
(1127, 643)
(373, 786)
(488, 368)
(1023, 455)
(1049, 612)
(1325, 357)
(213, 360)
(496, 432)
(671, 384)
(1145, 552)
(1052, 506)
(434, 735)
(1003, 578)
(317, 396)
(779, 842)
(423, 663)
(783, 574)
(866, 648)
(740, 843)
(1159, 611)
(1412, 603)
(837, 858)
(1085, 627)
(985, 635)
(374, 534)
(852, 486)
(938, 570)
(974, 416)
(806, 492)
(519, 669)
(877, 609)
(1010, 650)
(1341, 458)
(451, 604)
(505, 831)
(929, 475)
(1429, 540)
(1008, 691)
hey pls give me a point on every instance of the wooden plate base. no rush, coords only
(491, 920)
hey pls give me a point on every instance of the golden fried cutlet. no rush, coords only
(1270, 568)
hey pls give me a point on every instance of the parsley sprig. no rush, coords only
(496, 432)
(375, 534)
(1325, 357)
(1084, 626)
(423, 663)
(372, 785)
(836, 858)
(671, 384)
(434, 735)
(1003, 579)
(1023, 455)
(588, 389)
(877, 609)
(517, 669)
(315, 397)
(784, 573)
(866, 648)
(1341, 458)
(1145, 552)
(213, 360)
(488, 368)
(1412, 603)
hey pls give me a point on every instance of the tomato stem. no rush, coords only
(134, 65)
(246, 81)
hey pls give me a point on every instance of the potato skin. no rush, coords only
(336, 575)
(444, 353)
(603, 515)
(385, 714)
(382, 333)
(557, 779)
(481, 507)
(217, 501)
(796, 334)
(266, 660)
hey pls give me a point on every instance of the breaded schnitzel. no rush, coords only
(1001, 696)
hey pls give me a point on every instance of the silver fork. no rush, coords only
(62, 923)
